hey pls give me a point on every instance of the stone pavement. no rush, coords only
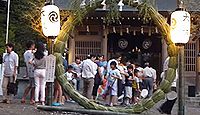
(16, 108)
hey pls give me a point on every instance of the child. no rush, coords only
(136, 86)
(113, 76)
(128, 85)
(70, 75)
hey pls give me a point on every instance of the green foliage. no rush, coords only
(20, 29)
(2, 26)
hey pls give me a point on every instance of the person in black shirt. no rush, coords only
(128, 84)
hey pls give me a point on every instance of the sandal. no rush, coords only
(23, 101)
(3, 101)
(8, 102)
(32, 102)
(56, 104)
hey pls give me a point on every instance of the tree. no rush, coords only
(20, 29)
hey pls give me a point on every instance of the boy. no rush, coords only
(128, 84)
(136, 86)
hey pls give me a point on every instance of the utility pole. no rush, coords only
(7, 25)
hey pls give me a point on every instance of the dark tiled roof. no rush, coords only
(162, 5)
(166, 5)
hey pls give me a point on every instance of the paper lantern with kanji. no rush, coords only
(180, 27)
(50, 19)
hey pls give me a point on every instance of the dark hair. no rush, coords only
(90, 56)
(39, 54)
(10, 45)
(77, 58)
(29, 44)
(116, 56)
(146, 64)
(130, 67)
(137, 64)
(70, 67)
(113, 63)
(100, 55)
(136, 71)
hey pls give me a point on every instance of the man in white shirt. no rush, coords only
(10, 61)
(148, 79)
(28, 59)
(89, 70)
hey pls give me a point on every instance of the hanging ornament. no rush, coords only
(127, 30)
(87, 28)
(149, 33)
(82, 5)
(156, 29)
(92, 2)
(121, 32)
(104, 27)
(134, 32)
(104, 4)
(120, 4)
(142, 30)
(114, 30)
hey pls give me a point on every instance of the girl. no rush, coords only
(113, 76)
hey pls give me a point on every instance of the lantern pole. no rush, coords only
(50, 40)
(50, 84)
(181, 81)
(181, 78)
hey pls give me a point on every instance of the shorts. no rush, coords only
(31, 81)
(128, 91)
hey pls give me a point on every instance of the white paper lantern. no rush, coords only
(180, 27)
(50, 18)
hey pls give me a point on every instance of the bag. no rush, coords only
(108, 91)
(12, 88)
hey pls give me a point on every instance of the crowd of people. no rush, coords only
(111, 80)
(114, 81)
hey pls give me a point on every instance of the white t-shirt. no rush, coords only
(154, 73)
(148, 72)
(136, 79)
(89, 69)
(10, 61)
(69, 76)
(111, 79)
(28, 57)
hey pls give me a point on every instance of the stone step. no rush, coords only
(193, 101)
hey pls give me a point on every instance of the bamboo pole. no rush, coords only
(78, 110)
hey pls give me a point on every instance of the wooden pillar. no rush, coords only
(71, 50)
(198, 68)
(105, 42)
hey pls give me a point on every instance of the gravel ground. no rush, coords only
(16, 108)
